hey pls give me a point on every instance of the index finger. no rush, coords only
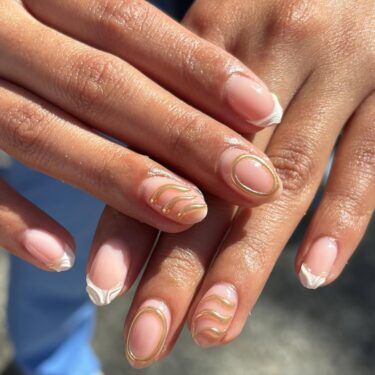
(195, 69)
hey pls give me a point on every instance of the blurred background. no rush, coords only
(292, 331)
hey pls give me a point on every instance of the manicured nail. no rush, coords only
(214, 315)
(248, 173)
(108, 272)
(175, 200)
(49, 250)
(147, 333)
(318, 263)
(252, 100)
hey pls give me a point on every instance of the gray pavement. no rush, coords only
(291, 331)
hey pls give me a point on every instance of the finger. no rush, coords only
(49, 140)
(168, 286)
(120, 249)
(197, 70)
(113, 97)
(257, 237)
(346, 208)
(30, 234)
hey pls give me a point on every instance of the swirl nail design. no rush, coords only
(176, 201)
(214, 315)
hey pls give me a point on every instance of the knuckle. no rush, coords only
(185, 130)
(201, 58)
(23, 129)
(92, 78)
(122, 16)
(347, 209)
(250, 254)
(182, 267)
(295, 163)
(298, 19)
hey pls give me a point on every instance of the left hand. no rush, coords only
(322, 68)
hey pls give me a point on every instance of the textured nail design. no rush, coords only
(45, 247)
(147, 333)
(214, 314)
(102, 297)
(174, 200)
(251, 100)
(318, 263)
(108, 272)
(249, 173)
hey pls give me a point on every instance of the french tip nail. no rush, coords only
(309, 280)
(66, 262)
(101, 297)
(274, 118)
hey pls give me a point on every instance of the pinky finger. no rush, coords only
(347, 204)
(30, 234)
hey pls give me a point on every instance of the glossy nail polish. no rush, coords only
(175, 200)
(214, 315)
(108, 272)
(252, 100)
(318, 263)
(147, 333)
(49, 250)
(248, 173)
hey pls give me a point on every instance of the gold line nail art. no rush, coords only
(246, 188)
(166, 209)
(212, 332)
(191, 207)
(163, 337)
(213, 297)
(155, 197)
(214, 315)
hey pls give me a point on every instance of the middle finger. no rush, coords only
(114, 97)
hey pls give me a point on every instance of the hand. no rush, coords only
(304, 56)
(60, 94)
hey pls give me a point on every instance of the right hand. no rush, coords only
(59, 93)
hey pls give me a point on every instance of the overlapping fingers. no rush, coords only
(113, 97)
(252, 248)
(45, 138)
(199, 71)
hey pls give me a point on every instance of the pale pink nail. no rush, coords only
(214, 315)
(48, 249)
(252, 100)
(175, 200)
(248, 173)
(147, 333)
(318, 263)
(108, 272)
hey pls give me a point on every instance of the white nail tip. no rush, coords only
(99, 296)
(274, 118)
(66, 262)
(309, 280)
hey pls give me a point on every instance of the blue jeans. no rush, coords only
(50, 318)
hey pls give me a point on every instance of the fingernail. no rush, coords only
(248, 173)
(175, 200)
(108, 272)
(318, 263)
(147, 333)
(49, 250)
(252, 101)
(214, 315)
